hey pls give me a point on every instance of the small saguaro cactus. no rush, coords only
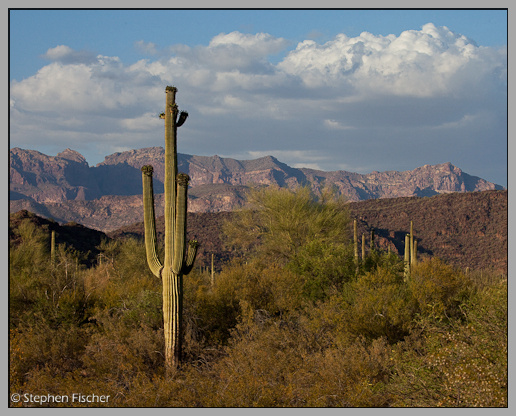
(406, 259)
(355, 243)
(414, 257)
(411, 242)
(212, 271)
(363, 248)
(53, 248)
(178, 260)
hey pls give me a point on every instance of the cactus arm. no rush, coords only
(182, 118)
(190, 256)
(150, 222)
(180, 223)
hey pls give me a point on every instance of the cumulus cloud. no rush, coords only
(422, 91)
(426, 63)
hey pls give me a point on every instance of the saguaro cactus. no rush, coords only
(411, 243)
(212, 271)
(53, 248)
(414, 257)
(355, 244)
(178, 260)
(406, 258)
(363, 249)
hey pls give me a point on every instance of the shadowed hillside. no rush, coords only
(465, 229)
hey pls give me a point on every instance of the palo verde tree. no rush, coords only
(178, 260)
(299, 230)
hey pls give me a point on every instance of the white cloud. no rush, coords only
(336, 97)
(67, 55)
(421, 63)
(232, 52)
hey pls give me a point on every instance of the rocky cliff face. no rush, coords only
(42, 178)
(67, 176)
(108, 195)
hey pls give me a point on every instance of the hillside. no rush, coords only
(74, 236)
(465, 229)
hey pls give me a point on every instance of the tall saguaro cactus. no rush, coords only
(355, 245)
(178, 260)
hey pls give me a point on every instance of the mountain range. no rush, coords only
(108, 196)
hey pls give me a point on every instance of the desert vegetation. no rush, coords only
(290, 321)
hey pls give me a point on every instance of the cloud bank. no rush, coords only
(364, 103)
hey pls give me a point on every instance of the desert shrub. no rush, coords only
(117, 351)
(38, 345)
(211, 312)
(282, 362)
(32, 248)
(39, 290)
(459, 361)
(380, 259)
(438, 289)
(121, 275)
(379, 305)
(354, 375)
(261, 358)
(325, 267)
(323, 324)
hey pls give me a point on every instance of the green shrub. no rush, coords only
(438, 289)
(380, 306)
(325, 267)
(278, 222)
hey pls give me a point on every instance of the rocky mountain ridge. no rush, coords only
(67, 176)
(108, 195)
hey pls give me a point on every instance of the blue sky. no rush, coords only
(358, 90)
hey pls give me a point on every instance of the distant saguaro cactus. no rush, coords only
(53, 248)
(406, 258)
(355, 244)
(178, 260)
(411, 243)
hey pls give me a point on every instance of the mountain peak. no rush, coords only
(44, 178)
(72, 155)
